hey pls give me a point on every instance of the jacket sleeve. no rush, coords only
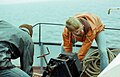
(26, 59)
(86, 44)
(67, 43)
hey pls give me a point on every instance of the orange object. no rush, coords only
(28, 27)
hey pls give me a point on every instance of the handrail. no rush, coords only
(48, 24)
(64, 24)
(112, 28)
(59, 44)
(57, 24)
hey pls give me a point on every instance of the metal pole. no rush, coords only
(41, 49)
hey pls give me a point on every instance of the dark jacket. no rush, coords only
(15, 43)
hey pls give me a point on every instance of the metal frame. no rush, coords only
(41, 44)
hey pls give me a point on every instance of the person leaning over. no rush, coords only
(85, 27)
(14, 43)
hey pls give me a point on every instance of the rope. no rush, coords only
(91, 63)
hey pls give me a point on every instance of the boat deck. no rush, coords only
(36, 71)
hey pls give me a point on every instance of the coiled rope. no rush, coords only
(91, 63)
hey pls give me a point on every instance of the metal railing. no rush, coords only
(49, 43)
(41, 44)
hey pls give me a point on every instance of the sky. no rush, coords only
(20, 1)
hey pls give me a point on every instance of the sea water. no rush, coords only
(57, 11)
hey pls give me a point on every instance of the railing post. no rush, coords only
(41, 50)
